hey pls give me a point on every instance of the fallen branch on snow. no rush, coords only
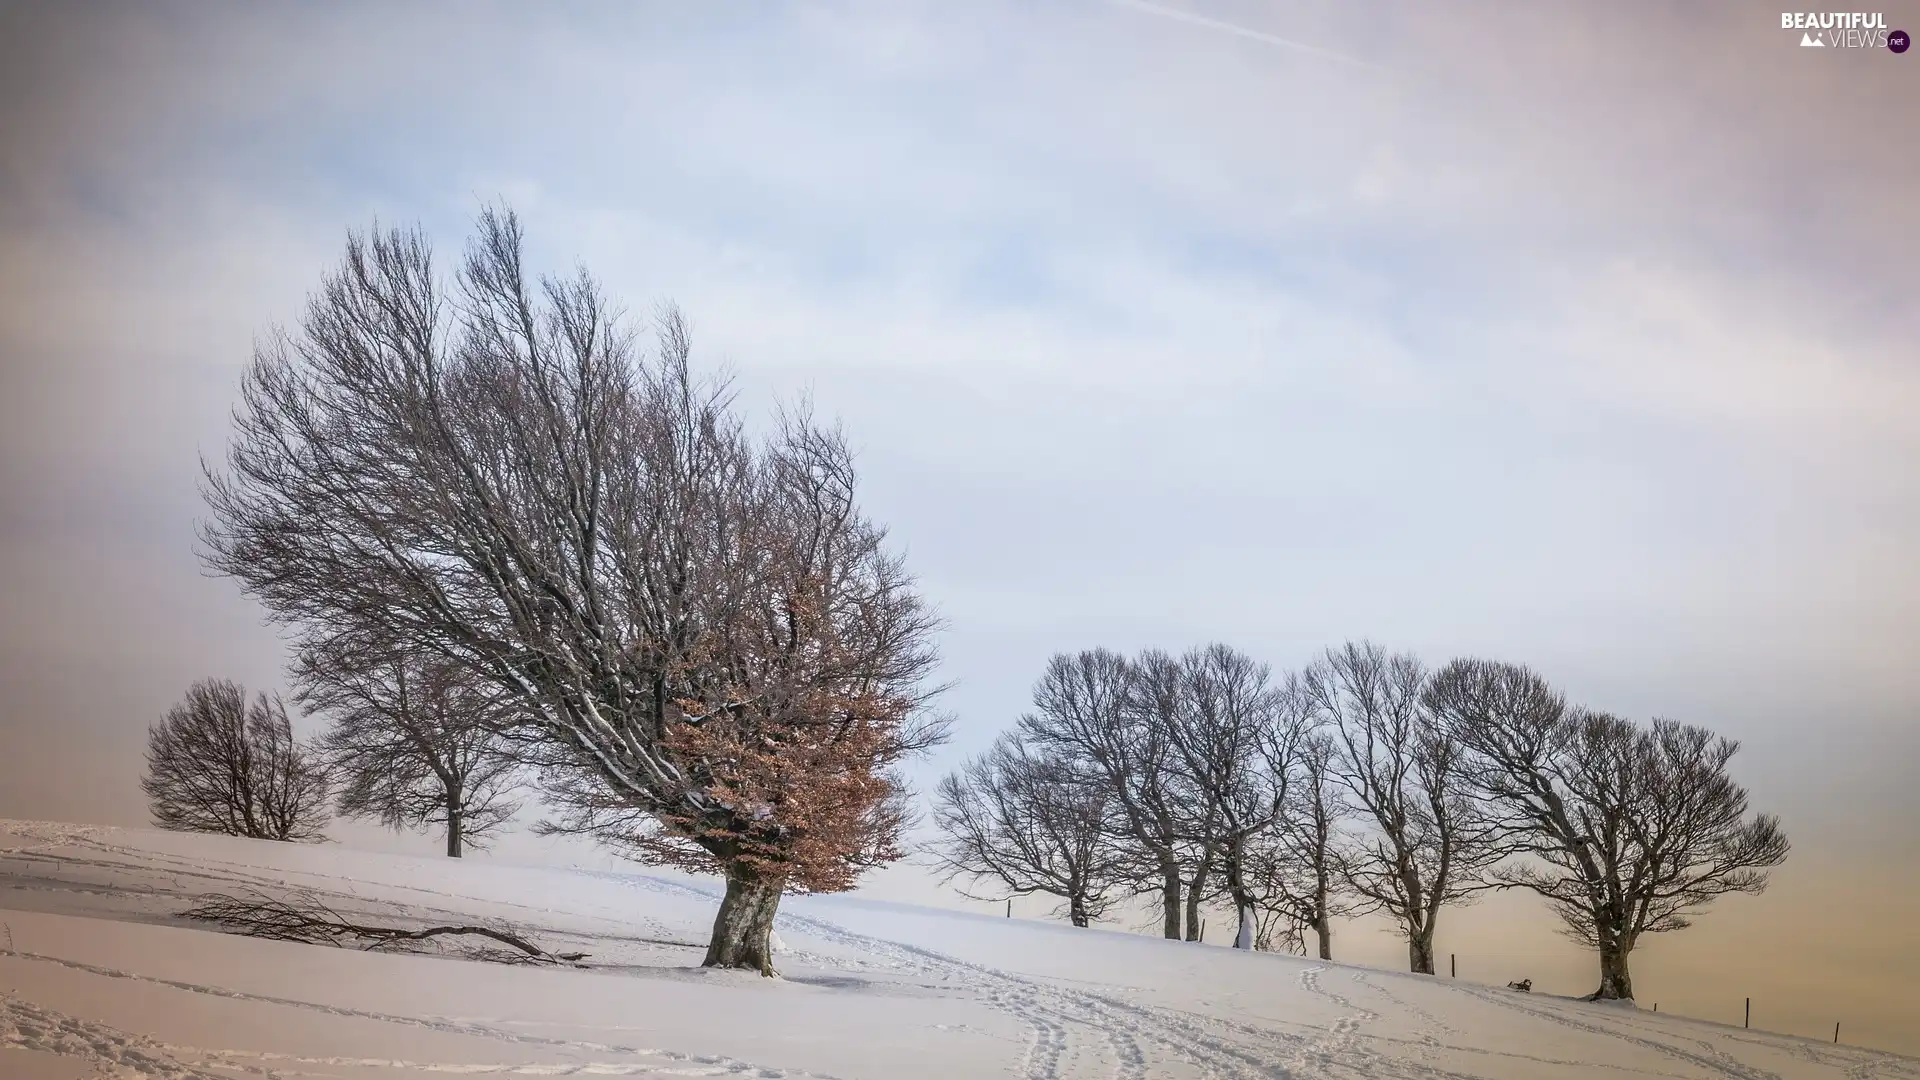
(305, 919)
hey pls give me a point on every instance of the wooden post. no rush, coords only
(1749, 1021)
(1453, 965)
(1836, 1031)
(1203, 931)
(1656, 1006)
(1009, 907)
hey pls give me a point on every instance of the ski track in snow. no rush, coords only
(1428, 1027)
(1071, 1030)
(32, 1027)
(1709, 1056)
(1857, 1063)
(27, 1026)
(1060, 1019)
(1337, 1045)
(1431, 1027)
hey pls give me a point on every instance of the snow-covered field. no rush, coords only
(98, 976)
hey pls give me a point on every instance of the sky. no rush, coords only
(1582, 336)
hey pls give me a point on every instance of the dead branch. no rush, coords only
(305, 919)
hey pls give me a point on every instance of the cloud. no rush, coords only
(1658, 340)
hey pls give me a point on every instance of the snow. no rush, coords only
(99, 977)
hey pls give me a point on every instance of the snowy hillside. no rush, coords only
(98, 976)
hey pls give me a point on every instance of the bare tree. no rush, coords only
(1279, 888)
(1299, 865)
(1155, 705)
(718, 659)
(221, 764)
(1109, 717)
(1034, 824)
(1630, 830)
(1277, 928)
(1234, 748)
(416, 739)
(1431, 845)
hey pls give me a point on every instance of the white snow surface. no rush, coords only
(99, 977)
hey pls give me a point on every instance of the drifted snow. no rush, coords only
(99, 979)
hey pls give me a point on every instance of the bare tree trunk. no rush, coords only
(1237, 891)
(742, 930)
(1195, 886)
(1170, 899)
(1616, 982)
(455, 826)
(1420, 951)
(1077, 909)
(1322, 925)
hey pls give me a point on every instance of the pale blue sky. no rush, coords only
(1541, 335)
(1584, 337)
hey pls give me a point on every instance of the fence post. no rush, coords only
(1749, 1020)
(1009, 907)
(1656, 1006)
(1453, 965)
(1836, 1031)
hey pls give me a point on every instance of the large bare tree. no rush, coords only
(1628, 830)
(1109, 716)
(415, 739)
(1156, 703)
(720, 658)
(1431, 843)
(222, 764)
(1033, 823)
(1235, 748)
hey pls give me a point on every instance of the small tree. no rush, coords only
(1629, 830)
(1034, 824)
(217, 763)
(1300, 865)
(415, 740)
(1431, 844)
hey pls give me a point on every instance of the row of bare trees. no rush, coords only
(1363, 783)
(472, 500)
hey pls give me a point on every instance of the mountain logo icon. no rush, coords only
(1809, 41)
